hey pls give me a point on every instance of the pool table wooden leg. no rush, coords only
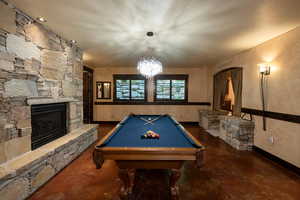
(199, 158)
(127, 178)
(175, 175)
(98, 159)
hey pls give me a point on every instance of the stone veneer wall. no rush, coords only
(237, 132)
(36, 66)
(34, 62)
(209, 119)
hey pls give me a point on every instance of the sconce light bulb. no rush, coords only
(41, 19)
(265, 69)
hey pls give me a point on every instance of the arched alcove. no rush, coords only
(228, 90)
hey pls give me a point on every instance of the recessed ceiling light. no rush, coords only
(41, 19)
(73, 41)
(150, 34)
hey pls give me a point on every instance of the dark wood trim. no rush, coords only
(228, 69)
(154, 103)
(273, 115)
(172, 77)
(129, 77)
(102, 83)
(277, 160)
(88, 69)
(91, 71)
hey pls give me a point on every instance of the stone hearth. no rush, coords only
(23, 175)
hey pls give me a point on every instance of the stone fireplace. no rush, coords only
(38, 70)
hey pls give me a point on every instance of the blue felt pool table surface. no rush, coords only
(130, 130)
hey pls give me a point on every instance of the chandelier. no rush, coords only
(149, 66)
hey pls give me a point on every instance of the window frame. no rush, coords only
(171, 77)
(129, 77)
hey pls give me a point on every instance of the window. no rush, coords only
(129, 87)
(171, 87)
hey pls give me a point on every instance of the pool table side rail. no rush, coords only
(195, 141)
(150, 153)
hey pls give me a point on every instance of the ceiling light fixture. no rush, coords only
(41, 19)
(149, 66)
(73, 41)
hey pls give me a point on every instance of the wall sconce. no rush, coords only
(265, 69)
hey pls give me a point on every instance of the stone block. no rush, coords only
(6, 61)
(53, 64)
(42, 37)
(22, 124)
(2, 153)
(21, 48)
(10, 132)
(65, 156)
(32, 66)
(68, 89)
(78, 70)
(17, 87)
(15, 190)
(23, 144)
(73, 111)
(41, 176)
(3, 35)
(19, 113)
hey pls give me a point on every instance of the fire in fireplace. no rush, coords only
(48, 123)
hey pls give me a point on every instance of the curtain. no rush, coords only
(220, 87)
(236, 76)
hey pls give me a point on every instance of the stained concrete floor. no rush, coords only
(228, 174)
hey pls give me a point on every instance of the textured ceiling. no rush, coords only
(189, 33)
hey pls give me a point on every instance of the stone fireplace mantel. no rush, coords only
(48, 100)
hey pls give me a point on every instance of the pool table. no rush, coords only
(125, 145)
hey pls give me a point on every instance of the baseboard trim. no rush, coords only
(277, 160)
(106, 122)
(190, 123)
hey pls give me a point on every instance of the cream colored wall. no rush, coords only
(282, 94)
(197, 92)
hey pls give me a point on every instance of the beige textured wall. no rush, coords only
(197, 93)
(282, 94)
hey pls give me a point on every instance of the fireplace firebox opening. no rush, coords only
(49, 122)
